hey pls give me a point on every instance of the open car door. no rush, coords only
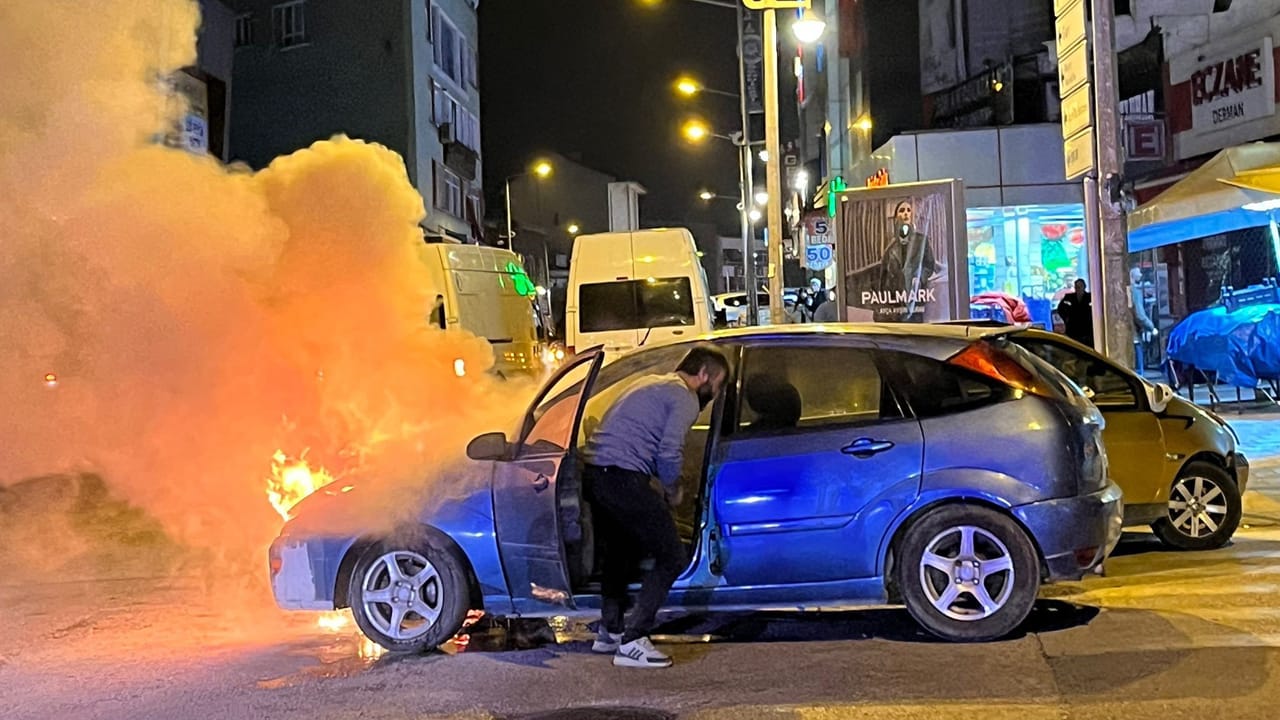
(525, 504)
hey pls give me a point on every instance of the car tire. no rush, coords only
(410, 595)
(952, 597)
(1203, 511)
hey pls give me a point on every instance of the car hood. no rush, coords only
(343, 509)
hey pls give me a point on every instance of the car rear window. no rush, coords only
(1052, 378)
(633, 304)
(936, 388)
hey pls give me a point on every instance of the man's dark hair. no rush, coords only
(703, 355)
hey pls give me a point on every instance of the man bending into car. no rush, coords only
(642, 436)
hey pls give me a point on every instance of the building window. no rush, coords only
(244, 30)
(446, 45)
(448, 191)
(289, 21)
(448, 111)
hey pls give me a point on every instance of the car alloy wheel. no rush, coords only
(967, 573)
(1203, 511)
(1197, 506)
(402, 595)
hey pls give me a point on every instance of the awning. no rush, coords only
(1211, 199)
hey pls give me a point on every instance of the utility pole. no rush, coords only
(1113, 319)
(746, 181)
(773, 175)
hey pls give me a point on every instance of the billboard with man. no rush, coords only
(901, 251)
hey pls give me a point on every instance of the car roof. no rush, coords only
(966, 333)
(935, 341)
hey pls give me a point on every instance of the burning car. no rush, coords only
(843, 465)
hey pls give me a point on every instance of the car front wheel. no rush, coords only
(1204, 509)
(968, 573)
(408, 596)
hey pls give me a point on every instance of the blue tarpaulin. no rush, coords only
(1242, 347)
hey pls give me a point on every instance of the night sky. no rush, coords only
(594, 77)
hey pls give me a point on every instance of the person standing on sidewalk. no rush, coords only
(642, 436)
(1076, 311)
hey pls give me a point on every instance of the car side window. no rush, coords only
(1110, 387)
(619, 375)
(800, 387)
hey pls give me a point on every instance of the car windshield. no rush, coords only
(633, 304)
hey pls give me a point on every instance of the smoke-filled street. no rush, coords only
(1163, 635)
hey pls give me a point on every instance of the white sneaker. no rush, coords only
(606, 642)
(640, 653)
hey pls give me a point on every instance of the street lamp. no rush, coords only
(696, 131)
(707, 195)
(762, 198)
(809, 28)
(541, 169)
(573, 229)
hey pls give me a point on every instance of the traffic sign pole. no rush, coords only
(1112, 317)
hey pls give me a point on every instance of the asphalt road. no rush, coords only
(1163, 635)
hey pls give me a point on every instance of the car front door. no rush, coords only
(1133, 436)
(527, 486)
(821, 458)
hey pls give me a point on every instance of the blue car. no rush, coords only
(944, 468)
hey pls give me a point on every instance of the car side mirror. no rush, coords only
(490, 446)
(1158, 396)
(1088, 392)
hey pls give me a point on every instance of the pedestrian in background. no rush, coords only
(1076, 311)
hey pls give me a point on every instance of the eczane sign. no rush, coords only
(1235, 89)
(1224, 93)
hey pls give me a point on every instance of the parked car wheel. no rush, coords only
(968, 573)
(409, 596)
(1204, 509)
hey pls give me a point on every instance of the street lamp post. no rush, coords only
(541, 169)
(773, 167)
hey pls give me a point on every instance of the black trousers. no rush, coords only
(632, 522)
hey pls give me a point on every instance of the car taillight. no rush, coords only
(984, 359)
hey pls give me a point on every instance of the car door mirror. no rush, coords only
(490, 446)
(1088, 392)
(1159, 395)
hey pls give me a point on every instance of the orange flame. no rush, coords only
(292, 480)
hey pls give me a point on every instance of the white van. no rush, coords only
(487, 293)
(632, 288)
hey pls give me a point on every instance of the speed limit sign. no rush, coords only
(819, 257)
(818, 227)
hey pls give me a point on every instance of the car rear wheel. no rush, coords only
(967, 573)
(1204, 509)
(409, 596)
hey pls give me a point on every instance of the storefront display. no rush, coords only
(1031, 252)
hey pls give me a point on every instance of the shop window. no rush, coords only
(1032, 252)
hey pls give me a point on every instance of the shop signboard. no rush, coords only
(1224, 93)
(1234, 89)
(901, 253)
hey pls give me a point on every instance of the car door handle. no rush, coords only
(541, 482)
(866, 447)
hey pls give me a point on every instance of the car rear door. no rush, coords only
(527, 486)
(821, 459)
